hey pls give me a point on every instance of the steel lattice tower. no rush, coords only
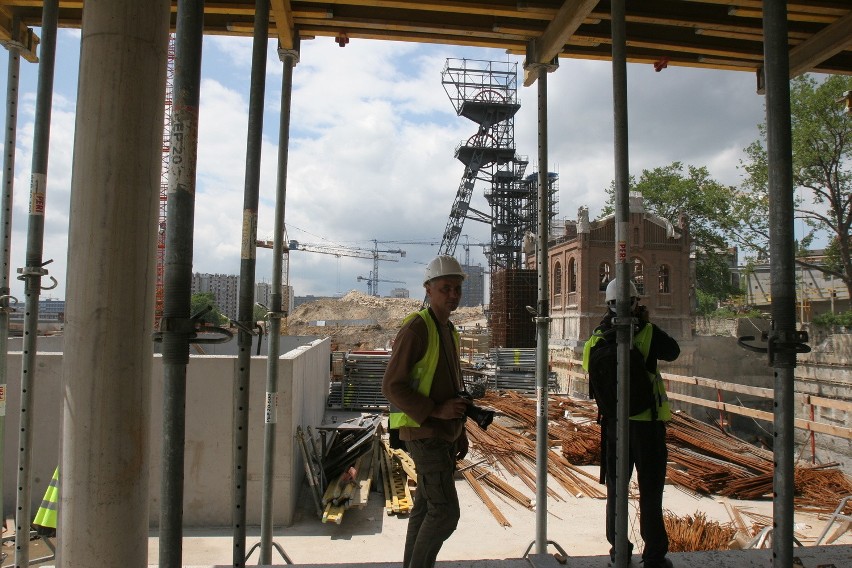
(486, 92)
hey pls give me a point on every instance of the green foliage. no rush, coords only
(259, 312)
(822, 175)
(672, 191)
(709, 306)
(830, 320)
(200, 302)
(707, 303)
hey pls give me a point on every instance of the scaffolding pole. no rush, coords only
(782, 271)
(624, 327)
(289, 57)
(32, 274)
(542, 320)
(176, 326)
(12, 81)
(248, 261)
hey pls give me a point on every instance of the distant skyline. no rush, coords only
(371, 150)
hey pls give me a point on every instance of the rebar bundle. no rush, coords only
(692, 533)
(703, 458)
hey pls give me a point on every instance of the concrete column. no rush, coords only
(103, 510)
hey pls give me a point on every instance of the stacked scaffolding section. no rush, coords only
(360, 386)
(515, 369)
(512, 290)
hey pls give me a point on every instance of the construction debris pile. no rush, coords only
(339, 464)
(702, 458)
(340, 318)
(349, 458)
(346, 460)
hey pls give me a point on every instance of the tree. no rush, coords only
(200, 301)
(669, 192)
(822, 168)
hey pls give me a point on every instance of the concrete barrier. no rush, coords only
(303, 379)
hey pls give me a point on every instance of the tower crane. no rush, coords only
(338, 250)
(375, 273)
(334, 250)
(374, 291)
(466, 246)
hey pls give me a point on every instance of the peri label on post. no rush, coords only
(249, 244)
(539, 402)
(38, 194)
(2, 400)
(622, 251)
(271, 407)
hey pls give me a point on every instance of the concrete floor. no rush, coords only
(370, 537)
(837, 556)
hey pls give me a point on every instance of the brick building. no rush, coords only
(582, 264)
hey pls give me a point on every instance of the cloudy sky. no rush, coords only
(371, 150)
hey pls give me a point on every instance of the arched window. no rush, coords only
(557, 278)
(637, 274)
(604, 276)
(663, 279)
(572, 276)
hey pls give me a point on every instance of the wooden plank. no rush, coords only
(808, 425)
(830, 41)
(827, 402)
(282, 13)
(16, 33)
(550, 43)
(801, 398)
(720, 385)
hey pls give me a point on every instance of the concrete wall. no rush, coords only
(827, 372)
(303, 386)
(713, 353)
(56, 343)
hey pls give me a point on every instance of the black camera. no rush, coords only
(481, 416)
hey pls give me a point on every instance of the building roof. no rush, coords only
(723, 34)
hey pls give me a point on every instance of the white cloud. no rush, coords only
(371, 149)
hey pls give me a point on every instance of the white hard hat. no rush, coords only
(443, 265)
(612, 287)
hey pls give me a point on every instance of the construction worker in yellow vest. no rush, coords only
(647, 431)
(422, 382)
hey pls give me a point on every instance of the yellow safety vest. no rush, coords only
(423, 372)
(642, 341)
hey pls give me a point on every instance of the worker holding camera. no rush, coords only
(422, 382)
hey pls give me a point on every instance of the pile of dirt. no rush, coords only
(346, 335)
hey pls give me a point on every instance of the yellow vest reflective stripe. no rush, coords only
(642, 341)
(423, 372)
(46, 515)
(587, 348)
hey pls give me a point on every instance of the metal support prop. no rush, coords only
(289, 57)
(12, 81)
(32, 273)
(782, 270)
(176, 327)
(624, 328)
(248, 260)
(542, 321)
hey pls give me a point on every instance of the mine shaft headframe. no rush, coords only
(482, 90)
